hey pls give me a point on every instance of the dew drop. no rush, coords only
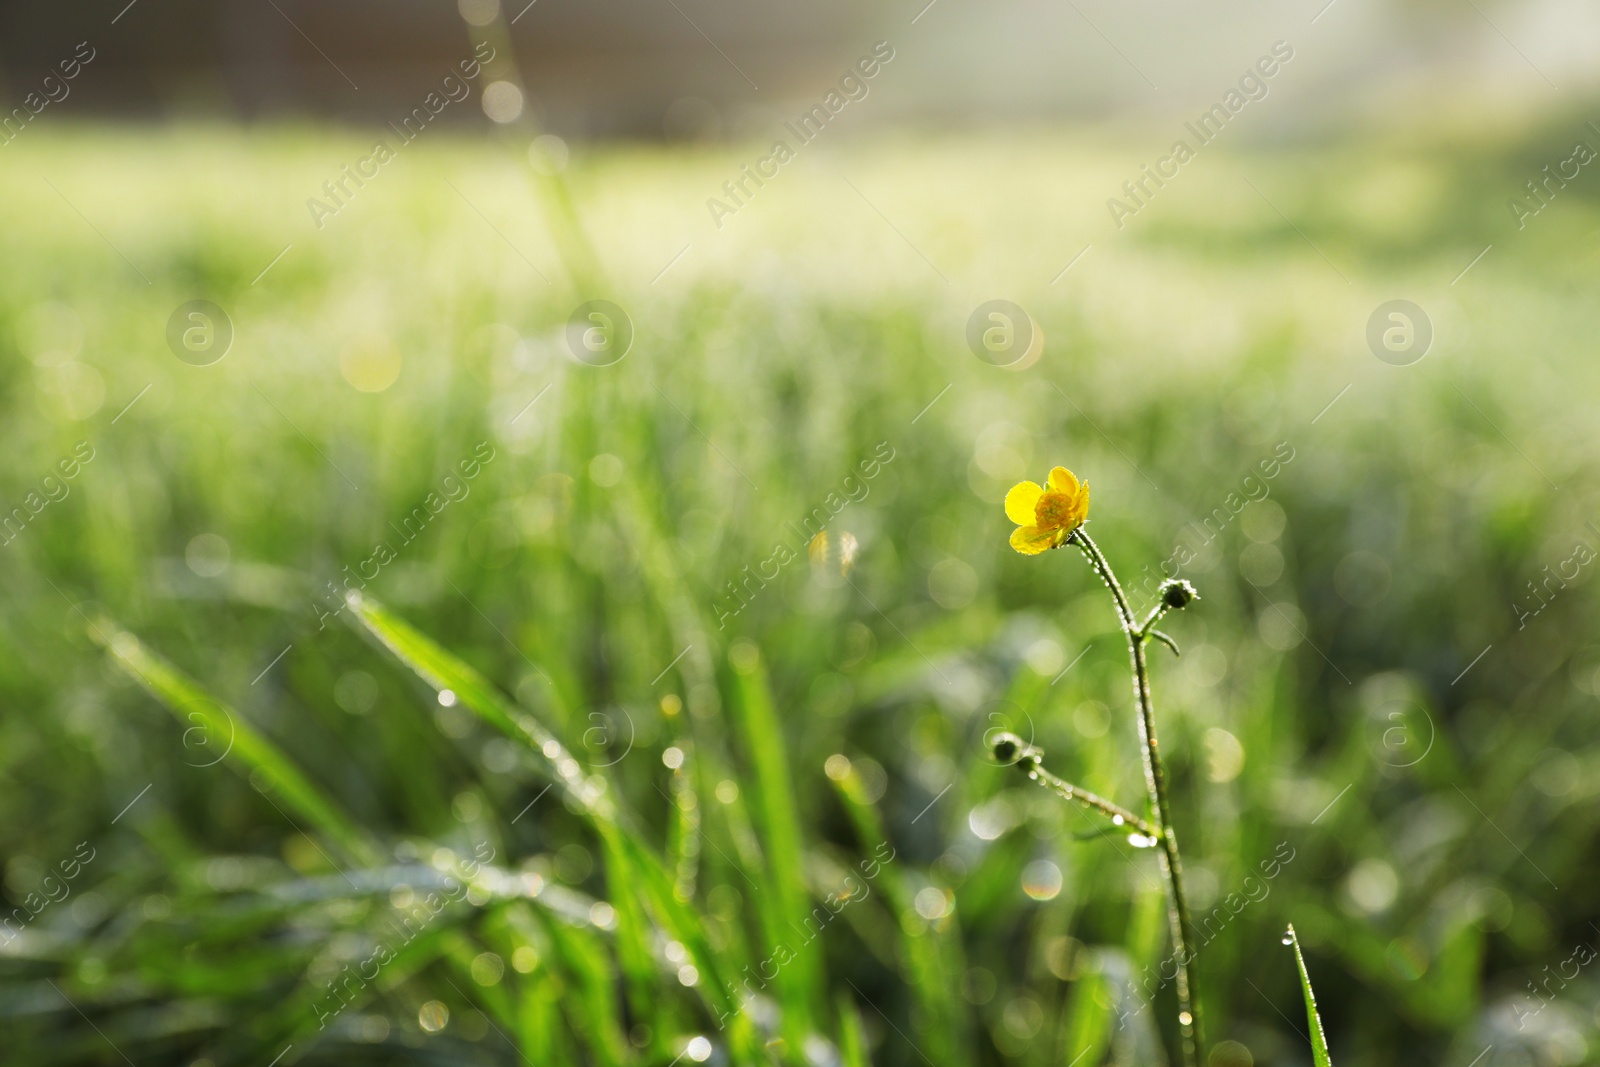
(1287, 940)
(1116, 820)
(1184, 1018)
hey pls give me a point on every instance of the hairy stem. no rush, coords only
(1155, 777)
(1030, 760)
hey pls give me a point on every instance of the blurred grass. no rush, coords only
(568, 599)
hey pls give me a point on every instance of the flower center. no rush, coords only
(1053, 511)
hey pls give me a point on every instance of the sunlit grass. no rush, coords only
(575, 586)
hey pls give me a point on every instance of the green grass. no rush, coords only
(665, 833)
(1319, 1041)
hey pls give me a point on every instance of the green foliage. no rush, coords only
(598, 601)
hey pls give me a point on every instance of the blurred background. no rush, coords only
(503, 557)
(713, 69)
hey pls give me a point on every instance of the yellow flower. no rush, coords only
(1046, 517)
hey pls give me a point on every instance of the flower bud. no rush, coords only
(1178, 593)
(1009, 748)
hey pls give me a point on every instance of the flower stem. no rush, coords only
(1155, 777)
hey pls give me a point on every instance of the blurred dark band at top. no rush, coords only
(709, 69)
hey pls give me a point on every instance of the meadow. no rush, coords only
(398, 687)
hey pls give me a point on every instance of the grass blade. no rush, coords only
(1086, 1019)
(197, 708)
(626, 852)
(932, 951)
(1319, 1041)
(442, 671)
(778, 823)
(683, 848)
(591, 1004)
(852, 1042)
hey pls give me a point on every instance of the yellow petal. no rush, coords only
(1083, 504)
(1031, 540)
(1064, 481)
(1020, 502)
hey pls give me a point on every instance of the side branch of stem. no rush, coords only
(1029, 760)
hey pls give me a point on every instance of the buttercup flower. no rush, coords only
(1046, 516)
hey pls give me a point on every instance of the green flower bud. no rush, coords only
(1010, 749)
(1178, 593)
